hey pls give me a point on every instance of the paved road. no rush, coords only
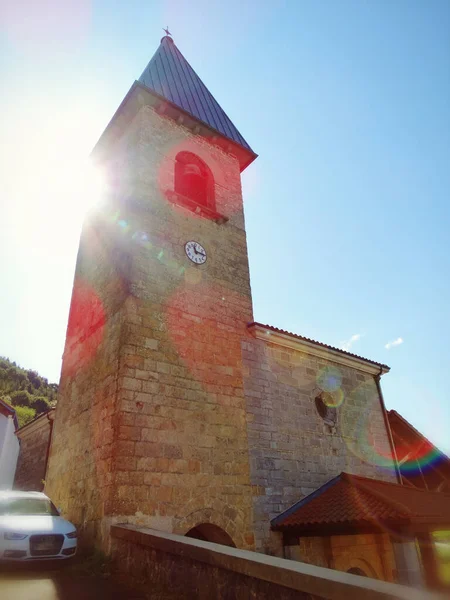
(49, 584)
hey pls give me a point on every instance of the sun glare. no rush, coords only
(71, 183)
(54, 198)
(89, 185)
(50, 183)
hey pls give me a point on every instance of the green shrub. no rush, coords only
(20, 398)
(25, 414)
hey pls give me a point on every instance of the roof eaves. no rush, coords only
(277, 521)
(252, 155)
(40, 416)
(242, 150)
(383, 368)
(329, 525)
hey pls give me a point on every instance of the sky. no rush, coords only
(347, 207)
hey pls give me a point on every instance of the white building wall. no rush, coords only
(9, 452)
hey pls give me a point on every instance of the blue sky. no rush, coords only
(347, 206)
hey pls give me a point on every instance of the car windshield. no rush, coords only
(27, 506)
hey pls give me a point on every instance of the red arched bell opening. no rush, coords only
(208, 532)
(194, 179)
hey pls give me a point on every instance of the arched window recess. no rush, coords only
(194, 186)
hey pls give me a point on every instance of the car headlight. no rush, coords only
(10, 535)
(72, 534)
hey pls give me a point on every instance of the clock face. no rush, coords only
(195, 252)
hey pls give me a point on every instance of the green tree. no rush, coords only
(25, 388)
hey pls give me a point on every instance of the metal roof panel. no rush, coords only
(170, 75)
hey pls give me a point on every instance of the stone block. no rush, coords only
(129, 433)
(148, 449)
(152, 344)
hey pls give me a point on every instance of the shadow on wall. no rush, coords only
(208, 532)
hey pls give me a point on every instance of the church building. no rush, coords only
(179, 412)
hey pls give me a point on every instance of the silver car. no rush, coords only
(31, 528)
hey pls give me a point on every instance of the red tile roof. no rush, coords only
(349, 500)
(8, 410)
(305, 339)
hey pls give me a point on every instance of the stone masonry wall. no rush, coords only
(372, 553)
(292, 450)
(181, 453)
(79, 475)
(31, 465)
(310, 550)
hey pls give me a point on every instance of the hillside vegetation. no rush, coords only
(25, 390)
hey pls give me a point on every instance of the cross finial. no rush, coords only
(167, 31)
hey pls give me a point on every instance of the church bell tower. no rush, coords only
(150, 426)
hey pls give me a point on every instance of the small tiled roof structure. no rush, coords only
(171, 76)
(350, 503)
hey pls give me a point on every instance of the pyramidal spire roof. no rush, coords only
(171, 76)
(171, 87)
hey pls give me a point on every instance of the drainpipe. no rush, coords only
(388, 427)
(47, 454)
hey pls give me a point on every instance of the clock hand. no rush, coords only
(198, 251)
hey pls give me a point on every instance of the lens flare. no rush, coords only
(360, 423)
(142, 239)
(419, 457)
(196, 318)
(333, 399)
(85, 328)
(329, 379)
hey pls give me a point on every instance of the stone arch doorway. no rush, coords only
(208, 532)
(362, 567)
